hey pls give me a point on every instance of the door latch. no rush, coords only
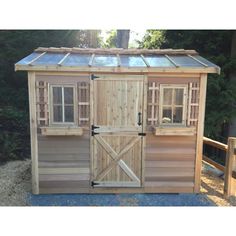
(139, 118)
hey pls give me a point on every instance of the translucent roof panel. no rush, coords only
(29, 58)
(105, 60)
(77, 60)
(49, 59)
(185, 61)
(205, 61)
(132, 61)
(159, 61)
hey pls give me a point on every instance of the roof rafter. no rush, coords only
(36, 58)
(63, 59)
(145, 61)
(202, 63)
(172, 61)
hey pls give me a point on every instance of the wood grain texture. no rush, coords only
(64, 163)
(200, 131)
(170, 159)
(33, 132)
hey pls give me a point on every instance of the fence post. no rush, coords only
(230, 166)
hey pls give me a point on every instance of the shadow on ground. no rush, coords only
(119, 200)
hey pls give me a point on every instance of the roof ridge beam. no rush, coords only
(117, 51)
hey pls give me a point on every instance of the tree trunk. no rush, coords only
(232, 125)
(122, 38)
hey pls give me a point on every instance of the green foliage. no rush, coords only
(111, 40)
(215, 45)
(15, 45)
(152, 39)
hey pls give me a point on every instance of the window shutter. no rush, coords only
(42, 103)
(153, 97)
(83, 103)
(193, 104)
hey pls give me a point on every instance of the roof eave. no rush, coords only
(117, 69)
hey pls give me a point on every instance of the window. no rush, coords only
(173, 104)
(62, 104)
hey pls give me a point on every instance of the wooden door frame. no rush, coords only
(144, 117)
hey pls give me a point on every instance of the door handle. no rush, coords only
(139, 118)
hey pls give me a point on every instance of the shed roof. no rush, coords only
(116, 60)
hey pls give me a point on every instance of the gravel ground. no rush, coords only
(15, 190)
(15, 183)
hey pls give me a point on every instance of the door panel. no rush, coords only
(117, 104)
(117, 146)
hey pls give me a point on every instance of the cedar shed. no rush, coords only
(116, 120)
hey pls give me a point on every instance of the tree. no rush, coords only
(14, 45)
(122, 38)
(111, 40)
(232, 125)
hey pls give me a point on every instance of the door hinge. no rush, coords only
(93, 183)
(142, 134)
(93, 77)
(94, 133)
(93, 127)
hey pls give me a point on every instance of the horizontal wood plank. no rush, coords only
(52, 171)
(163, 163)
(64, 177)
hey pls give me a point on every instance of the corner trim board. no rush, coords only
(33, 132)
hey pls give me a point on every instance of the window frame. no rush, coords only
(161, 99)
(50, 95)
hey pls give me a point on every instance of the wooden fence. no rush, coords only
(230, 163)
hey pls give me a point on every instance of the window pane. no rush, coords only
(77, 60)
(167, 98)
(128, 61)
(49, 59)
(179, 94)
(166, 115)
(29, 58)
(69, 114)
(185, 61)
(68, 95)
(57, 95)
(105, 60)
(57, 113)
(178, 115)
(159, 61)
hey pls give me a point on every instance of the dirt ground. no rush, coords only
(213, 186)
(15, 184)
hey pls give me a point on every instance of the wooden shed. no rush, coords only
(116, 120)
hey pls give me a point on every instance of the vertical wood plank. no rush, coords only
(33, 132)
(91, 137)
(143, 144)
(200, 131)
(229, 183)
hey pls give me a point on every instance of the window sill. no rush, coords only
(62, 131)
(178, 131)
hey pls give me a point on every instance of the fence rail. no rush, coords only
(230, 163)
